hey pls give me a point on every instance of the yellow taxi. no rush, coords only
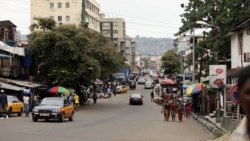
(124, 89)
(53, 108)
(15, 106)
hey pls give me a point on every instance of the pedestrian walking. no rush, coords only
(109, 92)
(114, 90)
(4, 102)
(173, 110)
(188, 108)
(76, 101)
(180, 110)
(152, 95)
(166, 110)
(26, 101)
(95, 96)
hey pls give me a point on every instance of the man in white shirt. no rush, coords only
(26, 100)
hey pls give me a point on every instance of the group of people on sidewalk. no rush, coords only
(172, 104)
(171, 107)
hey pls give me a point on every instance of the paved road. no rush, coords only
(108, 120)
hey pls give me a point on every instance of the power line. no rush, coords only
(144, 19)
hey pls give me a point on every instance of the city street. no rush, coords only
(108, 120)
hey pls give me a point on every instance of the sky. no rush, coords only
(148, 18)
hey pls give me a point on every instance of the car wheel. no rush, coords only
(34, 119)
(9, 111)
(71, 118)
(62, 118)
(20, 113)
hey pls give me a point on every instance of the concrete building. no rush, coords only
(130, 51)
(68, 12)
(115, 29)
(155, 62)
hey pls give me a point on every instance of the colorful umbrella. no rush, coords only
(59, 89)
(193, 89)
(168, 81)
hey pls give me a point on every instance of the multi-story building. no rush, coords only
(130, 51)
(75, 12)
(115, 29)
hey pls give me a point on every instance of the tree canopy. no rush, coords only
(69, 54)
(221, 14)
(171, 62)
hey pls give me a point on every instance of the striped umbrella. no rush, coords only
(59, 89)
(195, 88)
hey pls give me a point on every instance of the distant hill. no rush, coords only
(152, 46)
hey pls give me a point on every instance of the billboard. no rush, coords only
(217, 76)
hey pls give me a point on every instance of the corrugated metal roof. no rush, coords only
(4, 85)
(21, 83)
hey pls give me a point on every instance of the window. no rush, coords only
(67, 5)
(115, 31)
(247, 57)
(59, 5)
(240, 43)
(52, 17)
(59, 18)
(67, 18)
(115, 24)
(51, 5)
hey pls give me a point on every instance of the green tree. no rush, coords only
(171, 62)
(69, 55)
(223, 14)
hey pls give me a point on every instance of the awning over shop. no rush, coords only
(4, 56)
(234, 72)
(7, 86)
(21, 83)
(13, 50)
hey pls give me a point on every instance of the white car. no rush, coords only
(141, 80)
(148, 85)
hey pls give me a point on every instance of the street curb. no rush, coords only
(210, 126)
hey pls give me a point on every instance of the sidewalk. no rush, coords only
(214, 127)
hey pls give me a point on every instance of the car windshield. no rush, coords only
(52, 102)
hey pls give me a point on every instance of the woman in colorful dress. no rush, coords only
(180, 110)
(166, 110)
(188, 108)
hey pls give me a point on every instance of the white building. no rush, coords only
(240, 49)
(68, 12)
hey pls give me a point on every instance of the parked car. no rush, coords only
(136, 99)
(141, 80)
(53, 108)
(149, 85)
(15, 106)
